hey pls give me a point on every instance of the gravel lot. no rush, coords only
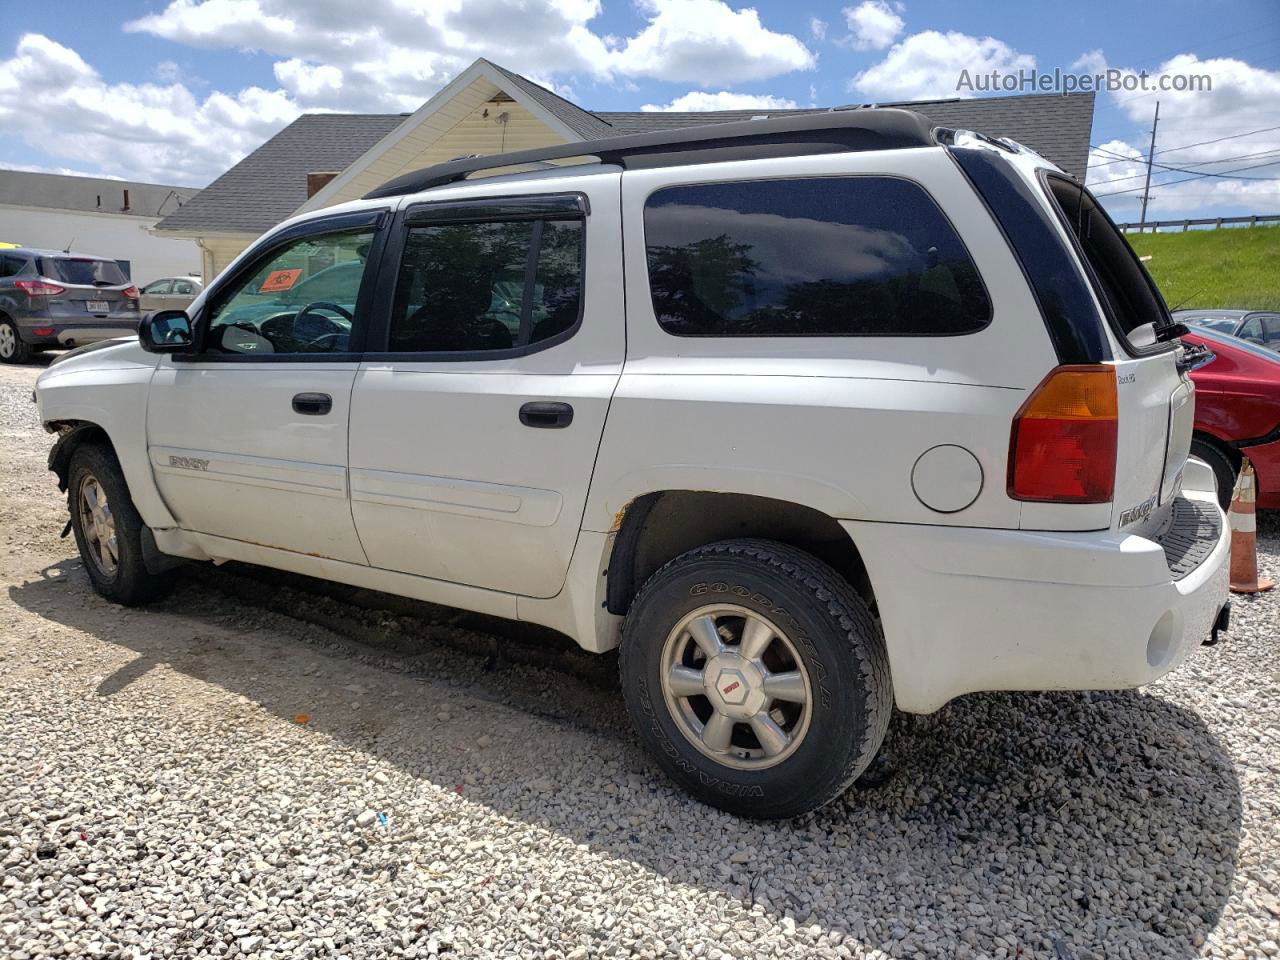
(264, 766)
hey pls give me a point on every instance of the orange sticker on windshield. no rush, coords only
(278, 280)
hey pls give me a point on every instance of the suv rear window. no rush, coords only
(809, 257)
(83, 270)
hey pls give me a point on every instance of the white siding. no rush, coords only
(104, 235)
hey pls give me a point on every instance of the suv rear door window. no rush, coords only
(818, 256)
(486, 286)
(85, 271)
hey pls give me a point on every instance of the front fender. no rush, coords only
(105, 393)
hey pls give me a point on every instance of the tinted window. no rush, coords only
(301, 299)
(9, 266)
(159, 288)
(1251, 329)
(184, 288)
(487, 286)
(848, 256)
(84, 270)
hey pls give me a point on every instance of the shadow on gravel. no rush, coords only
(1056, 825)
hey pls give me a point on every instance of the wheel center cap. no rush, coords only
(734, 685)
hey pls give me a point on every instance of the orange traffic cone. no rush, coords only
(1244, 534)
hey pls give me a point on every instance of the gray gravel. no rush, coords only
(264, 766)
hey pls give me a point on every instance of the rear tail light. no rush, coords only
(39, 288)
(43, 331)
(1063, 445)
(130, 293)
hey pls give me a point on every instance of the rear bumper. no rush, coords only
(965, 610)
(75, 333)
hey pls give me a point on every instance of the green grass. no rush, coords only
(1228, 267)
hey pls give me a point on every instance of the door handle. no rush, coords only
(313, 404)
(547, 414)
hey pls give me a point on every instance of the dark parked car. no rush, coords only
(49, 298)
(1238, 412)
(1256, 326)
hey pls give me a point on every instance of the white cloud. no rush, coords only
(700, 100)
(372, 55)
(142, 131)
(873, 24)
(1242, 99)
(817, 28)
(928, 65)
(707, 42)
(393, 54)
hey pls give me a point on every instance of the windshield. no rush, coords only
(83, 270)
(1220, 324)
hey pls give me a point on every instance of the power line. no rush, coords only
(1201, 176)
(1186, 146)
(1165, 168)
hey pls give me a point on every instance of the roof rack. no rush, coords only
(868, 129)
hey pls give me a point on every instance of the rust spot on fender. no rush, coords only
(618, 517)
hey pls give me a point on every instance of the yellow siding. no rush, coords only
(471, 132)
(222, 249)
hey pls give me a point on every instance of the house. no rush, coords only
(324, 159)
(107, 218)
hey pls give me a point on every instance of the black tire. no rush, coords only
(1223, 469)
(839, 646)
(130, 583)
(18, 350)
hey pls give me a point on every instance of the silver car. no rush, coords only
(170, 293)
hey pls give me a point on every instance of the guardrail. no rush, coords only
(1213, 223)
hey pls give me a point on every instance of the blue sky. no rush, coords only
(177, 91)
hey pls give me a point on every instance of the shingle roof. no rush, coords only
(1057, 126)
(56, 191)
(270, 183)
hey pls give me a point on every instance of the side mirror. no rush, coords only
(166, 331)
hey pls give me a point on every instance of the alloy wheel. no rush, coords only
(98, 526)
(736, 686)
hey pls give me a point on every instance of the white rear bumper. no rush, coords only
(965, 609)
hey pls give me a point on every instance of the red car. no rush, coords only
(1238, 412)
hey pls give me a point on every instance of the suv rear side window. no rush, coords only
(485, 286)
(83, 270)
(818, 256)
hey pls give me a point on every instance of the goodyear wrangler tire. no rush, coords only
(756, 677)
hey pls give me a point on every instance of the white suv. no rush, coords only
(812, 416)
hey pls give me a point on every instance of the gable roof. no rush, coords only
(588, 126)
(56, 191)
(270, 183)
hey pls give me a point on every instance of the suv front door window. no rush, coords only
(302, 299)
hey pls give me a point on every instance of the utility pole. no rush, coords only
(1151, 152)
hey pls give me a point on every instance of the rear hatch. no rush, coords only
(93, 288)
(1155, 397)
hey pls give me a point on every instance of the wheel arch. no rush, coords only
(72, 435)
(659, 526)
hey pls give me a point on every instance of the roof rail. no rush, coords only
(807, 134)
